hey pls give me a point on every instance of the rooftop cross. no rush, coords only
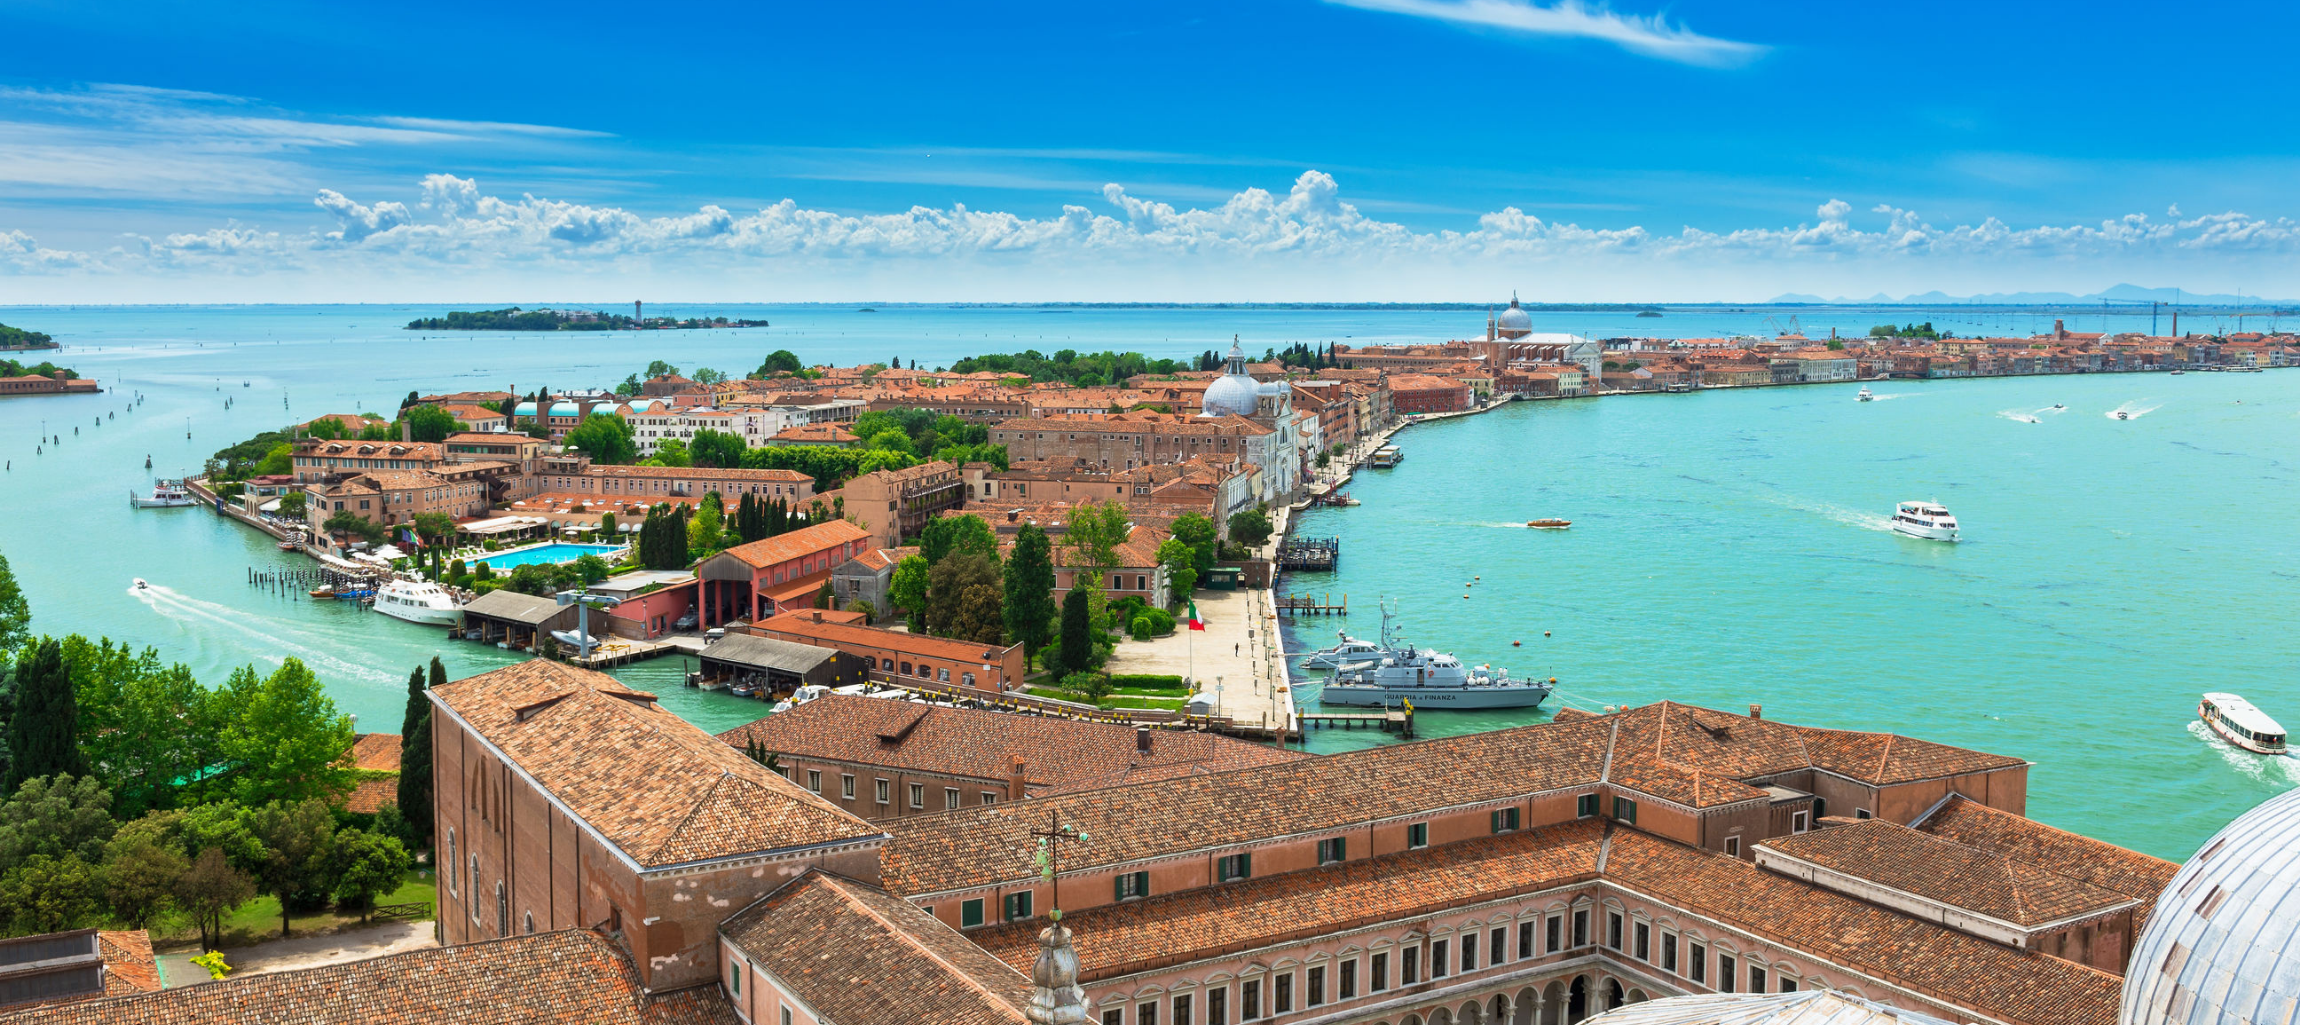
(1047, 855)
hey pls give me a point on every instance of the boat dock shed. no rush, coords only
(518, 620)
(779, 667)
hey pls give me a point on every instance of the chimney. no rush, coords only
(818, 615)
(1756, 711)
(406, 430)
(1014, 778)
(1142, 740)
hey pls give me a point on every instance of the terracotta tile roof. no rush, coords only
(697, 473)
(1666, 739)
(825, 432)
(1059, 755)
(861, 957)
(661, 791)
(377, 751)
(2021, 987)
(1884, 758)
(2130, 873)
(1119, 939)
(1983, 881)
(394, 449)
(570, 976)
(129, 966)
(774, 551)
(373, 795)
(974, 846)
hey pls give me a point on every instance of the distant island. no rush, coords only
(11, 368)
(16, 339)
(516, 319)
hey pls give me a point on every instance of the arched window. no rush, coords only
(475, 882)
(502, 910)
(452, 868)
(530, 921)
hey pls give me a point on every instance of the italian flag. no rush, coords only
(1194, 621)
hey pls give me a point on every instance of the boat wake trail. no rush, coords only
(2014, 414)
(1848, 517)
(1887, 397)
(2283, 769)
(270, 646)
(2052, 411)
(2131, 410)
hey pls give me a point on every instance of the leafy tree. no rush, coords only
(1077, 651)
(297, 838)
(965, 534)
(592, 568)
(826, 598)
(430, 423)
(15, 614)
(210, 891)
(707, 527)
(280, 460)
(1250, 527)
(670, 452)
(1092, 686)
(628, 386)
(717, 448)
(224, 825)
(345, 521)
(707, 377)
(605, 437)
(288, 740)
(292, 505)
(528, 426)
(142, 871)
(780, 361)
(663, 539)
(51, 894)
(531, 578)
(56, 816)
(1029, 606)
(44, 732)
(365, 866)
(863, 605)
(890, 441)
(659, 368)
(433, 527)
(1180, 561)
(1199, 532)
(607, 524)
(908, 589)
(1090, 547)
(965, 599)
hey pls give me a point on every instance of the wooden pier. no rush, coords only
(1314, 554)
(1389, 720)
(1305, 605)
(619, 652)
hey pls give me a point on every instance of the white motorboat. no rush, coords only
(1350, 650)
(2122, 415)
(1865, 395)
(1926, 520)
(574, 639)
(139, 585)
(418, 602)
(1427, 679)
(805, 693)
(165, 494)
(2239, 722)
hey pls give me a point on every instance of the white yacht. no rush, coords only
(1350, 650)
(418, 602)
(1866, 395)
(165, 494)
(1927, 520)
(1428, 679)
(2240, 723)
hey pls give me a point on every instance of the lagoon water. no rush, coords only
(1728, 548)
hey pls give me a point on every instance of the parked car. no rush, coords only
(686, 622)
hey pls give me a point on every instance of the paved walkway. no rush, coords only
(1235, 659)
(177, 969)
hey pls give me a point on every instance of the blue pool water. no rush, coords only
(549, 555)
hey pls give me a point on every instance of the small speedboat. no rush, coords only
(2122, 415)
(2057, 405)
(1549, 524)
(288, 546)
(139, 585)
(322, 592)
(1865, 395)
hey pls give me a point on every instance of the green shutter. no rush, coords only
(1141, 884)
(1246, 866)
(970, 913)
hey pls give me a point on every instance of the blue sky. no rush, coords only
(1362, 149)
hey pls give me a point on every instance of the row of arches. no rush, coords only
(1564, 1001)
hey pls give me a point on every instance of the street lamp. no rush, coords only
(581, 599)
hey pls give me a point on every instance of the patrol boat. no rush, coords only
(1429, 679)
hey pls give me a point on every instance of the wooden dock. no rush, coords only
(1389, 720)
(1305, 605)
(1313, 554)
(611, 654)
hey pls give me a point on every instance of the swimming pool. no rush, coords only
(550, 554)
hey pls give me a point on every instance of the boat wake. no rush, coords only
(2052, 410)
(1848, 517)
(2283, 769)
(2131, 410)
(270, 646)
(2014, 414)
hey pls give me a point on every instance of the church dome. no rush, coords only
(1235, 393)
(2223, 944)
(1514, 322)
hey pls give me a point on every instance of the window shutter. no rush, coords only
(1141, 884)
(1118, 888)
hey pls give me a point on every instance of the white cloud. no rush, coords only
(1650, 35)
(1308, 233)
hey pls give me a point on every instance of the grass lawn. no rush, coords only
(1130, 698)
(259, 920)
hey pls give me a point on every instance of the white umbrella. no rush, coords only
(389, 552)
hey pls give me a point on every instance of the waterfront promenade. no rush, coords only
(1236, 659)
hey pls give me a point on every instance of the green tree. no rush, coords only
(607, 524)
(51, 894)
(1029, 606)
(660, 368)
(780, 361)
(430, 423)
(1180, 561)
(434, 527)
(148, 725)
(297, 838)
(965, 534)
(288, 740)
(890, 441)
(345, 521)
(142, 871)
(210, 891)
(57, 816)
(863, 605)
(1090, 547)
(280, 460)
(532, 578)
(707, 377)
(1077, 651)
(717, 448)
(671, 452)
(365, 866)
(591, 568)
(605, 437)
(965, 599)
(907, 589)
(1199, 532)
(224, 825)
(1250, 527)
(44, 731)
(292, 505)
(707, 527)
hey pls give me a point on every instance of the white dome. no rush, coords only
(2222, 946)
(1514, 320)
(1234, 394)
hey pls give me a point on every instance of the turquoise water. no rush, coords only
(1726, 547)
(1731, 547)
(549, 555)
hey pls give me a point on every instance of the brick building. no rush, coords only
(897, 655)
(896, 504)
(1423, 393)
(776, 574)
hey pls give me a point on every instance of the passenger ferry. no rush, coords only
(2241, 724)
(1926, 520)
(418, 602)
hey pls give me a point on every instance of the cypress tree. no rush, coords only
(44, 735)
(438, 678)
(1029, 607)
(1077, 639)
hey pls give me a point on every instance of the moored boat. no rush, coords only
(2238, 722)
(1428, 679)
(165, 494)
(418, 602)
(1348, 651)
